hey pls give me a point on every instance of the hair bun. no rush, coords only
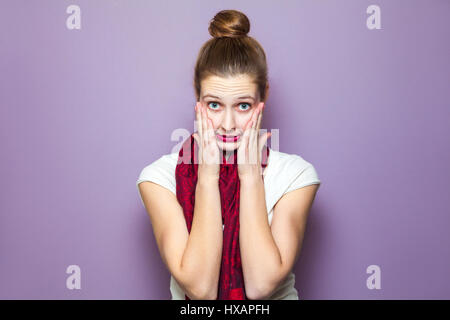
(229, 23)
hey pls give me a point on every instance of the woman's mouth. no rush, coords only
(228, 138)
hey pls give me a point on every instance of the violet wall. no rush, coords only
(82, 111)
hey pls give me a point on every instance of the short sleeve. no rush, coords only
(307, 177)
(162, 172)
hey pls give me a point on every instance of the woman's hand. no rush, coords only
(208, 153)
(250, 148)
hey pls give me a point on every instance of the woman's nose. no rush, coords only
(228, 123)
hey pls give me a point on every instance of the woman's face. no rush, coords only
(229, 103)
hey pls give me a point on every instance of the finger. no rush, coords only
(211, 135)
(258, 125)
(196, 137)
(204, 125)
(199, 133)
(256, 137)
(263, 139)
(251, 122)
(253, 139)
(248, 140)
(242, 150)
(248, 129)
(255, 117)
(199, 120)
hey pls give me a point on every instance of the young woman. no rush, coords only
(229, 213)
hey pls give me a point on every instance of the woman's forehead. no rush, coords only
(229, 87)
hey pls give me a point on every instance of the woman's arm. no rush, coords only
(192, 258)
(203, 254)
(268, 253)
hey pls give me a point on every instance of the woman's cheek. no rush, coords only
(244, 121)
(215, 121)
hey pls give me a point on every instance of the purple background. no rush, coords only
(83, 111)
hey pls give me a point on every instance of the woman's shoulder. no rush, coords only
(291, 167)
(166, 161)
(284, 159)
(161, 171)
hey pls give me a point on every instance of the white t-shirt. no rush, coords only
(284, 173)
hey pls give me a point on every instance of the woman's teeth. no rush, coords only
(228, 138)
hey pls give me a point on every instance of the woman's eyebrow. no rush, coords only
(215, 97)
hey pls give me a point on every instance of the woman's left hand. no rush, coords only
(250, 148)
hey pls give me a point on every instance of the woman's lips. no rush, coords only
(228, 138)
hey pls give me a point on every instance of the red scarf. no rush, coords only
(231, 281)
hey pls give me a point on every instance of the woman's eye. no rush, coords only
(242, 106)
(247, 106)
(215, 105)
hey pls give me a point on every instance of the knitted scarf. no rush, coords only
(231, 281)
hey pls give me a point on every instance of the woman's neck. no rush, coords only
(228, 155)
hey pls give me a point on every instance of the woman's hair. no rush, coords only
(231, 52)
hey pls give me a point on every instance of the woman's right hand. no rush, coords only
(209, 153)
